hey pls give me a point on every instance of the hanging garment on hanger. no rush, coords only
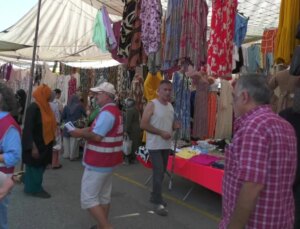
(72, 85)
(220, 44)
(151, 85)
(182, 105)
(172, 33)
(239, 63)
(126, 29)
(212, 109)
(49, 77)
(124, 83)
(225, 112)
(137, 55)
(137, 93)
(254, 58)
(154, 62)
(99, 33)
(151, 13)
(287, 27)
(114, 52)
(200, 124)
(193, 42)
(113, 76)
(240, 29)
(268, 40)
(110, 37)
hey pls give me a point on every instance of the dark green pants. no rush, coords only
(33, 179)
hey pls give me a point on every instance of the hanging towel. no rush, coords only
(99, 34)
(111, 39)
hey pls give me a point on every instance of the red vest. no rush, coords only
(5, 123)
(108, 152)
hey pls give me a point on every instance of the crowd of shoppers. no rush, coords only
(261, 179)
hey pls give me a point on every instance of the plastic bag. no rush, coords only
(127, 144)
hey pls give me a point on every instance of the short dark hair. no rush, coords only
(257, 87)
(8, 101)
(57, 91)
(165, 82)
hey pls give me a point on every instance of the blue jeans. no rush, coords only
(3, 212)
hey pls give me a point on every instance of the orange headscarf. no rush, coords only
(42, 95)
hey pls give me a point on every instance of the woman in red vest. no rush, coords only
(10, 143)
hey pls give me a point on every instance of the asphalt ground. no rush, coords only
(130, 207)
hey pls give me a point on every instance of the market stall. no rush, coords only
(202, 46)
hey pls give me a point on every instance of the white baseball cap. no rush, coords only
(106, 87)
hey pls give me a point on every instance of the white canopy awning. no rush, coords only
(65, 34)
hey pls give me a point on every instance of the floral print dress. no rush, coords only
(220, 45)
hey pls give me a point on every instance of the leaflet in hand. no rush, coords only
(70, 127)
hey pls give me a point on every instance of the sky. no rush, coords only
(13, 10)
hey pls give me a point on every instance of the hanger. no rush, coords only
(242, 15)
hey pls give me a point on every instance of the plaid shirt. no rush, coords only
(268, 41)
(262, 151)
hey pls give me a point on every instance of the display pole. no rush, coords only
(28, 100)
(177, 133)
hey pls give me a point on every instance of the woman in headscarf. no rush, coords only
(37, 140)
(73, 112)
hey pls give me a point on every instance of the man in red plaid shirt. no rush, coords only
(260, 162)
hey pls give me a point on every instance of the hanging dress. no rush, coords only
(137, 55)
(200, 124)
(137, 92)
(225, 112)
(286, 37)
(72, 86)
(151, 13)
(220, 46)
(172, 33)
(126, 29)
(212, 109)
(182, 105)
(193, 34)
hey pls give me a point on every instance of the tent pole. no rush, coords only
(28, 100)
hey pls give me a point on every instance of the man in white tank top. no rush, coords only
(158, 122)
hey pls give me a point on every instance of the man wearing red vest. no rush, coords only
(103, 151)
(10, 143)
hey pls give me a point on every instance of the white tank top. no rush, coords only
(162, 119)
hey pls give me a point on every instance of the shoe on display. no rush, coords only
(161, 210)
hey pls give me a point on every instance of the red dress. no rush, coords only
(220, 45)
